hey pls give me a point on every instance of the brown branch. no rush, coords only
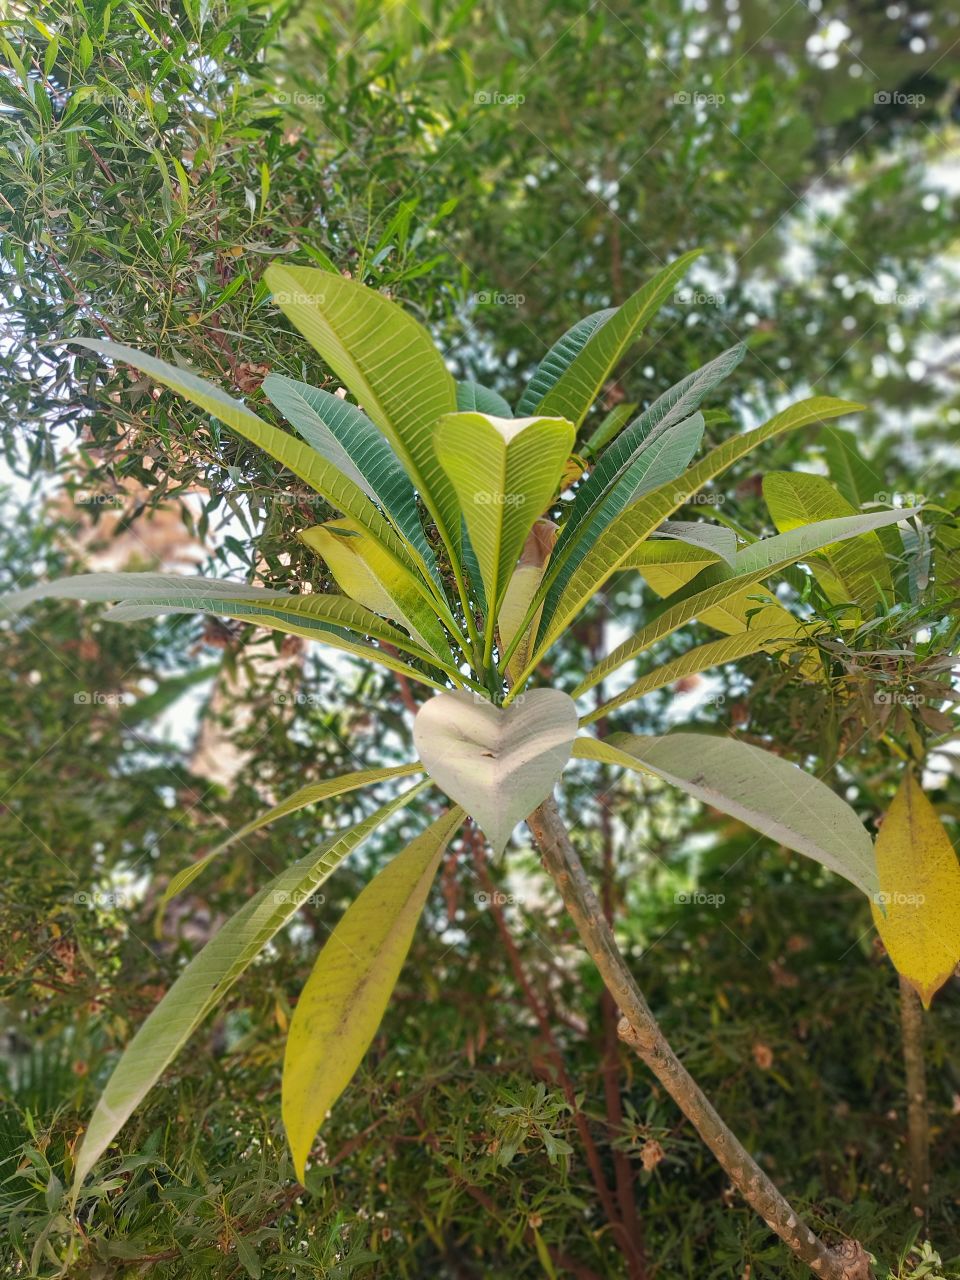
(918, 1128)
(640, 1029)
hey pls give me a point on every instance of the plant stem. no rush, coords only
(918, 1130)
(640, 1029)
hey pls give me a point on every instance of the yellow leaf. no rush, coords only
(344, 999)
(920, 888)
(366, 575)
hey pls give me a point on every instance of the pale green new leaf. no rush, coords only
(346, 995)
(505, 472)
(638, 522)
(769, 794)
(348, 439)
(388, 362)
(853, 572)
(472, 397)
(558, 360)
(313, 793)
(718, 581)
(208, 977)
(323, 476)
(715, 653)
(577, 387)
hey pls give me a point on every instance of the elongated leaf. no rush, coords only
(855, 571)
(471, 396)
(296, 617)
(504, 471)
(672, 407)
(857, 480)
(558, 360)
(611, 424)
(576, 389)
(387, 360)
(313, 793)
(346, 995)
(664, 461)
(715, 653)
(714, 537)
(366, 575)
(328, 480)
(638, 522)
(209, 976)
(767, 793)
(347, 437)
(667, 568)
(718, 581)
(919, 891)
(327, 618)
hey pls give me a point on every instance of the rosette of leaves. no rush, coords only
(452, 571)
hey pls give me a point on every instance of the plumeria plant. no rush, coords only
(471, 537)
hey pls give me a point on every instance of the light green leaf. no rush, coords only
(577, 387)
(208, 977)
(558, 360)
(855, 571)
(505, 471)
(715, 653)
(364, 573)
(348, 439)
(638, 522)
(328, 480)
(313, 793)
(346, 995)
(472, 397)
(767, 793)
(718, 581)
(387, 360)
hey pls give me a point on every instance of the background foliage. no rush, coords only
(502, 169)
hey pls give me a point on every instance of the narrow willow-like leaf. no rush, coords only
(853, 572)
(387, 360)
(638, 522)
(207, 979)
(611, 424)
(558, 360)
(576, 389)
(314, 469)
(715, 653)
(472, 397)
(346, 995)
(718, 581)
(768, 794)
(313, 793)
(339, 430)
